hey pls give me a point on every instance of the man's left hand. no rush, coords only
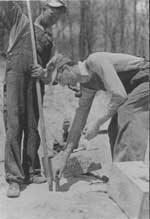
(37, 71)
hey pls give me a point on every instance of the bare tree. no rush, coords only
(135, 26)
(2, 31)
(86, 29)
(111, 23)
(70, 30)
(122, 24)
(105, 25)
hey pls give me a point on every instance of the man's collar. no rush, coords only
(83, 68)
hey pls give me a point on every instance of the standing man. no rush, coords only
(100, 71)
(21, 109)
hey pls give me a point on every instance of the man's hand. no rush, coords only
(58, 164)
(37, 71)
(91, 130)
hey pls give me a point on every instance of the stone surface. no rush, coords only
(129, 188)
(82, 162)
(146, 160)
(78, 198)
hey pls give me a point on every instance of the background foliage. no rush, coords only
(98, 25)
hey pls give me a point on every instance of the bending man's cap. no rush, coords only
(56, 62)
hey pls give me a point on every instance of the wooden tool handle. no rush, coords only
(39, 96)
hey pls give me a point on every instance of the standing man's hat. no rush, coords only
(56, 3)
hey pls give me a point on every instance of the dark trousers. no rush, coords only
(21, 119)
(128, 130)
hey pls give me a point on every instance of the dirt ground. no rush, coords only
(80, 197)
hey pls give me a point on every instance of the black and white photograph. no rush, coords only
(74, 109)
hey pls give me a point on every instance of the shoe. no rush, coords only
(38, 179)
(13, 190)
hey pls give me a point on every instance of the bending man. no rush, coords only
(100, 71)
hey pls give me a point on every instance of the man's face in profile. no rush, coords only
(49, 16)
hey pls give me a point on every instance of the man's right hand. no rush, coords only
(37, 71)
(91, 130)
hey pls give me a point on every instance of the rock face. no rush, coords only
(82, 162)
(129, 188)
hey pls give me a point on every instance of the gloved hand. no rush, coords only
(58, 164)
(91, 130)
(37, 71)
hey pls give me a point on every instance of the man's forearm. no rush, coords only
(76, 130)
(115, 102)
(80, 119)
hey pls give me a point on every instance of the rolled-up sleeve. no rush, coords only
(113, 85)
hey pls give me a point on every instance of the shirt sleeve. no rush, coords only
(113, 85)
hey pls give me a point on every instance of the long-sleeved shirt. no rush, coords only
(18, 25)
(103, 69)
(106, 66)
(16, 21)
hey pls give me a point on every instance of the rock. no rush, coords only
(82, 162)
(129, 188)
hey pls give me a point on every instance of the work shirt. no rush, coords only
(106, 66)
(20, 36)
(126, 66)
(16, 21)
(101, 71)
(18, 25)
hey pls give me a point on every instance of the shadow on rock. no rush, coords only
(75, 171)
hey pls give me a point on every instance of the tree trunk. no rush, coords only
(70, 31)
(2, 31)
(85, 29)
(113, 40)
(122, 25)
(135, 27)
(105, 25)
